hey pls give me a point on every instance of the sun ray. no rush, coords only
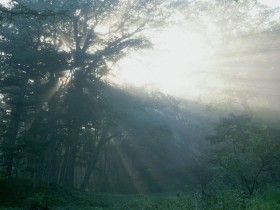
(135, 178)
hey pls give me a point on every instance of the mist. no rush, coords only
(151, 104)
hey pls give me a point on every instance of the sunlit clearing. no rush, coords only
(171, 66)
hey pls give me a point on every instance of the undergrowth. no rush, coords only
(20, 195)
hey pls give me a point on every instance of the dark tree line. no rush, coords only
(61, 121)
(57, 111)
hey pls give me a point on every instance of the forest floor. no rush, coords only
(17, 195)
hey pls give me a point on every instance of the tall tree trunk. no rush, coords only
(70, 156)
(94, 156)
(90, 167)
(11, 139)
(70, 169)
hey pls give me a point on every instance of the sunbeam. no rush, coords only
(139, 104)
(130, 170)
(209, 66)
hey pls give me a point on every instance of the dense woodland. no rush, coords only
(65, 126)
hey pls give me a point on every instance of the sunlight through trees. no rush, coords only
(139, 96)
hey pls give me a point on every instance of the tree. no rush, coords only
(245, 150)
(38, 48)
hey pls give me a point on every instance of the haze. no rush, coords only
(139, 104)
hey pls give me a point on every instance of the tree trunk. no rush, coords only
(11, 139)
(70, 169)
(93, 158)
(91, 165)
(70, 156)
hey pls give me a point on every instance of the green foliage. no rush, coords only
(269, 200)
(59, 198)
(245, 150)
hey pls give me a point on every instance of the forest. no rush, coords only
(139, 104)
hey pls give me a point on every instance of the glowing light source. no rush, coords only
(64, 77)
(4, 2)
(171, 66)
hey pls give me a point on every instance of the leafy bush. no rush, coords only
(270, 200)
(59, 198)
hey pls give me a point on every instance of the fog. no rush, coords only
(151, 104)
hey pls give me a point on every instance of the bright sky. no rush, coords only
(271, 3)
(186, 64)
(4, 1)
(183, 64)
(177, 65)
